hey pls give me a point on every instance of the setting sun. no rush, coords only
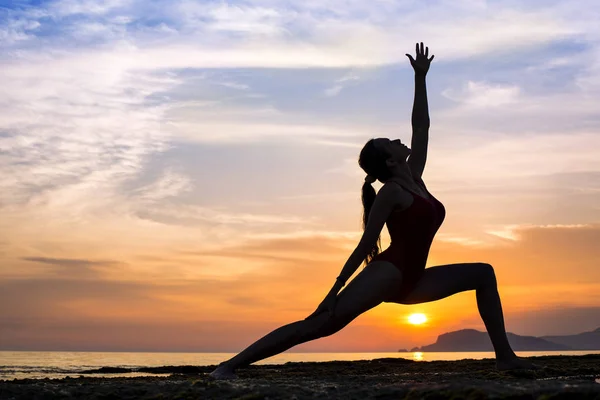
(417, 319)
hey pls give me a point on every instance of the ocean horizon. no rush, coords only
(62, 364)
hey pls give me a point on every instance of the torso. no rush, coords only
(415, 218)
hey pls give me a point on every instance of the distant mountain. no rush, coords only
(474, 340)
(581, 341)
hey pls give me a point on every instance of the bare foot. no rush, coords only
(515, 363)
(223, 372)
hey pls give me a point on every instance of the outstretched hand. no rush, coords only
(328, 304)
(421, 63)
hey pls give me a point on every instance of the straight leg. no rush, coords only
(366, 291)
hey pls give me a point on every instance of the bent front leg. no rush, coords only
(445, 280)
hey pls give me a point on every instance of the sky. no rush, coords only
(182, 175)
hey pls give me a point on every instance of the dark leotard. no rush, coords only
(411, 232)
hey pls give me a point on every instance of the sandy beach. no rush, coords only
(563, 377)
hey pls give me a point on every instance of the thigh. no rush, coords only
(445, 280)
(373, 284)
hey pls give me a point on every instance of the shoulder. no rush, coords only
(395, 196)
(414, 169)
(421, 183)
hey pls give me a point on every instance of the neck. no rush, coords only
(402, 174)
(404, 180)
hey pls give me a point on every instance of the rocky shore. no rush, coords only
(563, 377)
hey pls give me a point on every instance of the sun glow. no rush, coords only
(417, 319)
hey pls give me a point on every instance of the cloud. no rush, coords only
(90, 129)
(95, 93)
(239, 18)
(234, 85)
(553, 63)
(512, 231)
(170, 184)
(300, 34)
(518, 157)
(170, 299)
(64, 8)
(483, 94)
(18, 30)
(340, 84)
(59, 312)
(101, 89)
(74, 269)
(333, 91)
(567, 254)
(465, 241)
(68, 262)
(219, 131)
(300, 246)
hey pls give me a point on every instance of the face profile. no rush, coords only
(392, 149)
(398, 150)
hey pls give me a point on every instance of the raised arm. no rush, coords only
(420, 112)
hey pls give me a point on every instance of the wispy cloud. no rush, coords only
(512, 232)
(170, 184)
(75, 269)
(465, 241)
(102, 111)
(190, 215)
(69, 262)
(483, 94)
(340, 84)
(64, 8)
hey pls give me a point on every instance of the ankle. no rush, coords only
(506, 356)
(227, 365)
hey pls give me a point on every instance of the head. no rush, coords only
(381, 158)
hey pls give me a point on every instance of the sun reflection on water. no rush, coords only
(418, 356)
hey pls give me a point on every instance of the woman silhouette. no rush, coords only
(398, 274)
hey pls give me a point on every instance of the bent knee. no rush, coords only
(487, 274)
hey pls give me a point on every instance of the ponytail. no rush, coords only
(368, 198)
(373, 161)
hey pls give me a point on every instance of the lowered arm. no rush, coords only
(381, 209)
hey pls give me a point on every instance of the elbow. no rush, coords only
(425, 122)
(421, 123)
(363, 249)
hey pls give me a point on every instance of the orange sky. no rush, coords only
(548, 273)
(185, 178)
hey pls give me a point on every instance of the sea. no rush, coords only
(58, 364)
